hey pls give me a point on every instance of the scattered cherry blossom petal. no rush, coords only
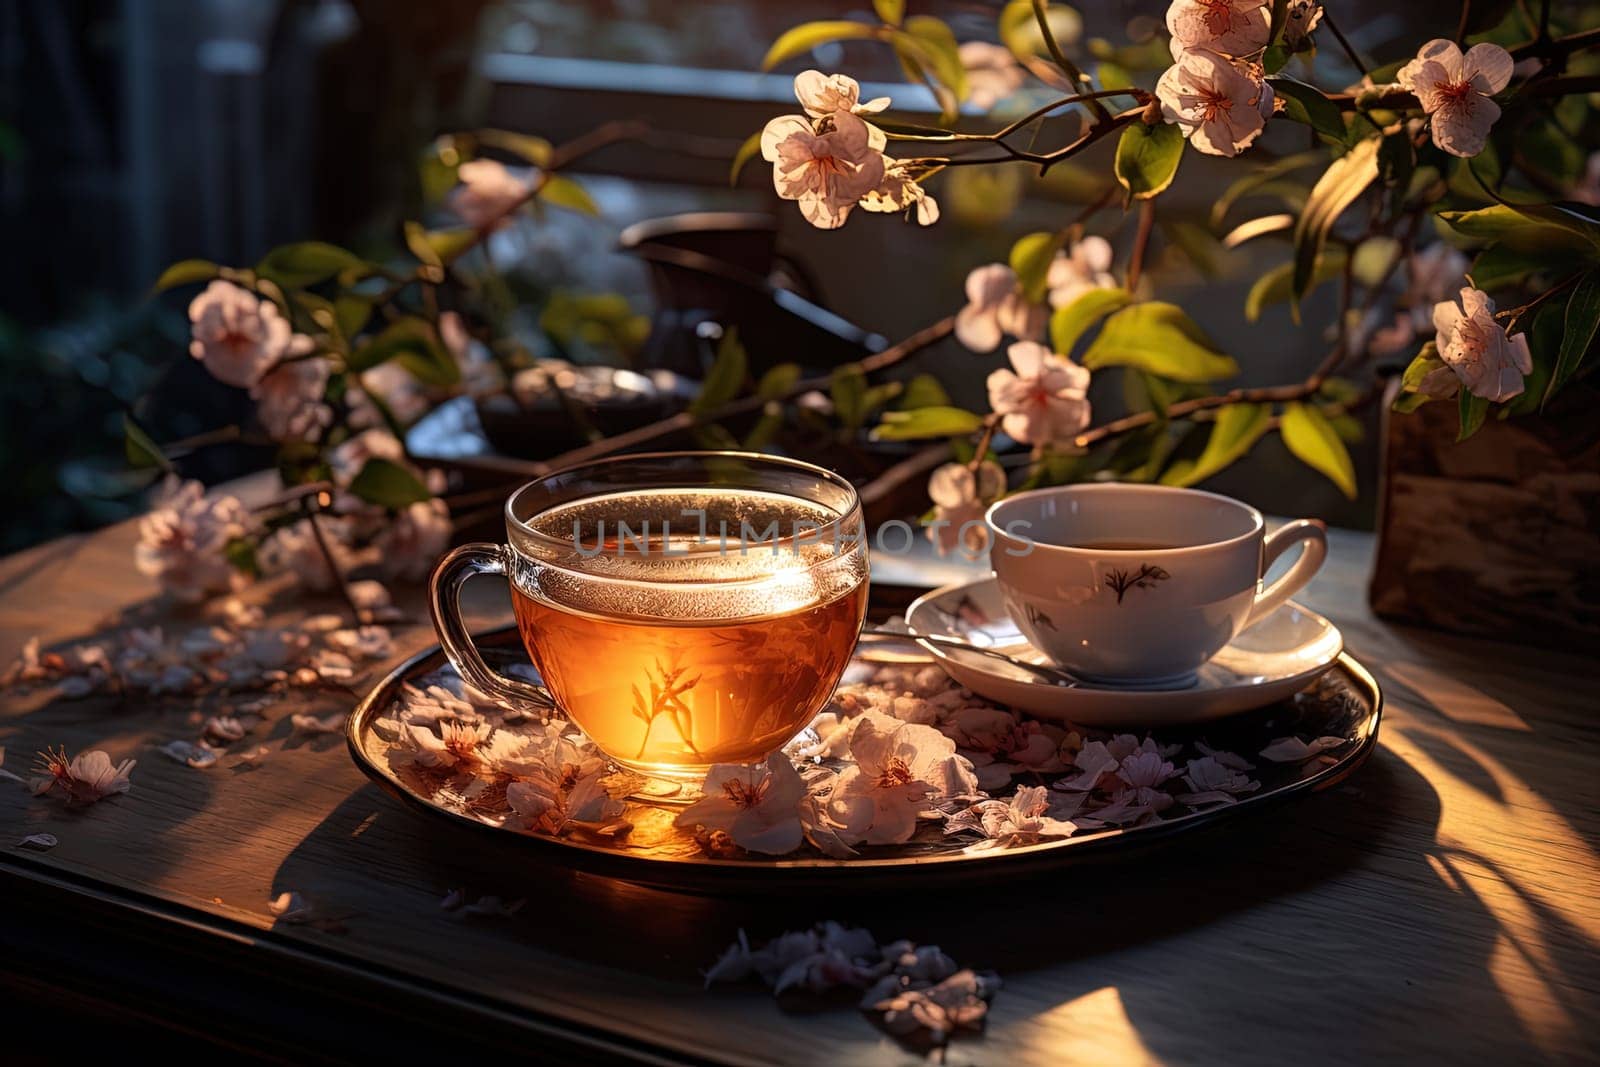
(1294, 750)
(84, 779)
(39, 842)
(198, 756)
(307, 725)
(290, 907)
(223, 729)
(757, 806)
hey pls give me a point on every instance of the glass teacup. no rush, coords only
(683, 608)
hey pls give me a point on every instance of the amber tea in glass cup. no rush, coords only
(682, 608)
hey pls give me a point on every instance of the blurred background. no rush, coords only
(134, 133)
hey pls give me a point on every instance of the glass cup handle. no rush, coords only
(444, 602)
(1313, 533)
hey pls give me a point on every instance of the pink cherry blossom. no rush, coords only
(237, 335)
(993, 73)
(900, 769)
(1023, 819)
(488, 193)
(1300, 19)
(1042, 398)
(758, 807)
(823, 95)
(1075, 271)
(84, 779)
(295, 550)
(996, 307)
(1231, 27)
(1471, 343)
(184, 539)
(1222, 107)
(1454, 90)
(411, 544)
(959, 497)
(290, 399)
(828, 169)
(899, 191)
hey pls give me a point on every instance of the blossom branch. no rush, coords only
(339, 580)
(1042, 17)
(688, 420)
(1141, 241)
(1344, 43)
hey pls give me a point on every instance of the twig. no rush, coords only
(1349, 50)
(1403, 99)
(990, 425)
(333, 564)
(1461, 25)
(1042, 17)
(1141, 241)
(688, 420)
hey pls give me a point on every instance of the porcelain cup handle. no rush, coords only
(444, 601)
(1313, 534)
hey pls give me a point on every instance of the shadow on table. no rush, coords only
(1053, 939)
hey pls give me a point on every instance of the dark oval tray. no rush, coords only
(1345, 703)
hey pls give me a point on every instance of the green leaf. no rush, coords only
(240, 552)
(1275, 22)
(1577, 339)
(776, 383)
(1236, 429)
(439, 248)
(1425, 363)
(564, 192)
(890, 11)
(1527, 226)
(1340, 185)
(849, 393)
(1473, 410)
(923, 423)
(1162, 339)
(1069, 322)
(535, 150)
(351, 312)
(1030, 259)
(1501, 266)
(140, 449)
(747, 151)
(388, 485)
(935, 51)
(1261, 181)
(295, 266)
(923, 391)
(1277, 284)
(1274, 59)
(1314, 442)
(1306, 104)
(1397, 162)
(187, 272)
(1147, 158)
(726, 376)
(808, 35)
(1114, 75)
(414, 344)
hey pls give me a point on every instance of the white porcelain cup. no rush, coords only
(1139, 584)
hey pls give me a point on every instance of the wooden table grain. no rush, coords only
(1442, 906)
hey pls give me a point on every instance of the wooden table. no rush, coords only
(1444, 905)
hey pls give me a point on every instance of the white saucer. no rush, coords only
(1273, 660)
